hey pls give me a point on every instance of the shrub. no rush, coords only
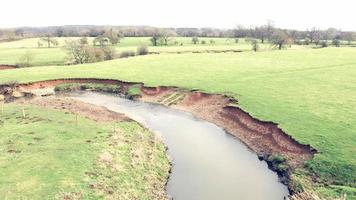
(126, 54)
(324, 44)
(88, 86)
(203, 42)
(336, 42)
(278, 163)
(255, 45)
(142, 50)
(306, 41)
(109, 53)
(212, 41)
(195, 40)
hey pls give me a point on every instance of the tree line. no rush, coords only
(160, 36)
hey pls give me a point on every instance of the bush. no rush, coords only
(126, 54)
(142, 50)
(195, 40)
(324, 44)
(203, 42)
(306, 41)
(212, 41)
(336, 42)
(109, 53)
(278, 163)
(66, 87)
(255, 45)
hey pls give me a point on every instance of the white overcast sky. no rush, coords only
(297, 14)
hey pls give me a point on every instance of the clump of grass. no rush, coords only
(133, 91)
(88, 86)
(278, 163)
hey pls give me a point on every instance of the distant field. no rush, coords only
(51, 155)
(11, 52)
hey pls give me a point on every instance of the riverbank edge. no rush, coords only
(265, 138)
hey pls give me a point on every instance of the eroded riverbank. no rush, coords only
(208, 163)
(264, 138)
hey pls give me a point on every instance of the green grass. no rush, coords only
(47, 155)
(310, 93)
(11, 52)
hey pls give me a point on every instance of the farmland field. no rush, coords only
(310, 93)
(11, 52)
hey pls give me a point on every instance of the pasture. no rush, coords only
(58, 155)
(310, 93)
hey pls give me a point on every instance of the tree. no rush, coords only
(349, 37)
(255, 45)
(156, 37)
(239, 31)
(279, 39)
(261, 33)
(26, 59)
(101, 41)
(331, 33)
(78, 53)
(165, 36)
(315, 35)
(49, 40)
(113, 36)
(59, 32)
(195, 40)
(336, 41)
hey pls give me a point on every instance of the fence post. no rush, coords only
(23, 112)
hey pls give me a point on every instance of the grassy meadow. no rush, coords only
(50, 155)
(310, 93)
(11, 52)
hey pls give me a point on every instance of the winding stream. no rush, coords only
(208, 163)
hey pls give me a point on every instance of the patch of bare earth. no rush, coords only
(90, 111)
(4, 67)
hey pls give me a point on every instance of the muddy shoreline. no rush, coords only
(264, 138)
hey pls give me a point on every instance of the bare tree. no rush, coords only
(315, 35)
(166, 35)
(49, 40)
(280, 38)
(113, 36)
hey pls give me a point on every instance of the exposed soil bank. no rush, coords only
(4, 67)
(265, 138)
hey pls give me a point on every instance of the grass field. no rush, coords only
(11, 52)
(46, 155)
(309, 92)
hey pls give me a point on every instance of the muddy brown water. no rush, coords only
(208, 163)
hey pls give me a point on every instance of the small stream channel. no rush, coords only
(208, 163)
